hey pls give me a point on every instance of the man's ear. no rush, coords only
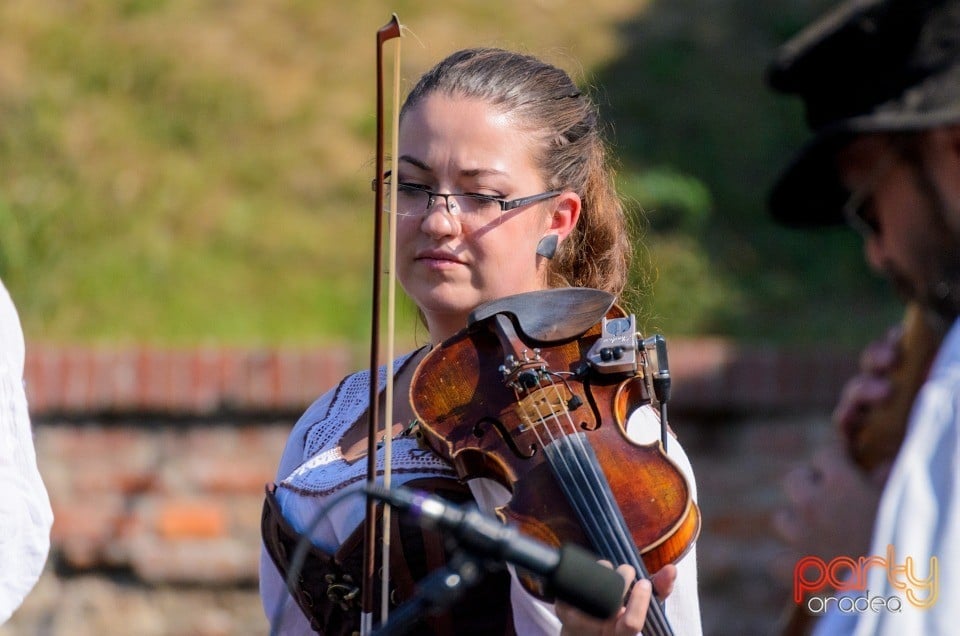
(942, 150)
(953, 135)
(943, 141)
(942, 160)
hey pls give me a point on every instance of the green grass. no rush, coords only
(181, 172)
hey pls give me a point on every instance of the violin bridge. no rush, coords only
(542, 404)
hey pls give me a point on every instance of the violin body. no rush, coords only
(498, 403)
(886, 424)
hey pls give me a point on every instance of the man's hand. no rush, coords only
(831, 505)
(870, 388)
(831, 502)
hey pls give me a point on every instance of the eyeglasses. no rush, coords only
(856, 216)
(416, 200)
(857, 211)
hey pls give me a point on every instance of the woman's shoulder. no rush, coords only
(299, 442)
(337, 407)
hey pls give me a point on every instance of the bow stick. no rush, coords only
(387, 32)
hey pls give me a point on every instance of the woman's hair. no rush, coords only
(543, 100)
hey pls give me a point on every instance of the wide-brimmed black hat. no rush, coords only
(867, 66)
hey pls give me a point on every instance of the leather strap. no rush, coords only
(328, 587)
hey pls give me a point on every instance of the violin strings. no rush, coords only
(589, 487)
(573, 488)
(622, 547)
(570, 454)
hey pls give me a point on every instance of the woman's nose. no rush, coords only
(439, 219)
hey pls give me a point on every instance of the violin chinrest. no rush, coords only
(550, 315)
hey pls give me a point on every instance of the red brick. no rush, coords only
(194, 560)
(739, 522)
(204, 392)
(39, 372)
(178, 519)
(233, 476)
(91, 517)
(178, 381)
(82, 528)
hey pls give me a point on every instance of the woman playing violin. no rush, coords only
(503, 188)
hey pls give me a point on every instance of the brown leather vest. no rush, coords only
(328, 588)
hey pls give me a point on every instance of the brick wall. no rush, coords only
(710, 374)
(155, 461)
(193, 382)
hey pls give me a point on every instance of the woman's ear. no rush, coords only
(563, 218)
(566, 213)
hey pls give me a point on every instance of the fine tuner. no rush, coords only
(622, 349)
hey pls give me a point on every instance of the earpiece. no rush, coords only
(547, 247)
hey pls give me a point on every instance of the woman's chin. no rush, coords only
(446, 316)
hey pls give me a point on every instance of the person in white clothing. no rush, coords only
(25, 514)
(880, 80)
(503, 189)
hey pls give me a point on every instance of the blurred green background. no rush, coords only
(189, 172)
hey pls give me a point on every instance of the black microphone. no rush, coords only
(571, 573)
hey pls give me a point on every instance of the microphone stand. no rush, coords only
(436, 591)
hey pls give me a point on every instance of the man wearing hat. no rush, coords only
(880, 82)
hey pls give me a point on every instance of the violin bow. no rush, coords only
(387, 32)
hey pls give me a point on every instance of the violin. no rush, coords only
(535, 394)
(880, 438)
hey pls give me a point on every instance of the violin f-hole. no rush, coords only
(592, 405)
(478, 432)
